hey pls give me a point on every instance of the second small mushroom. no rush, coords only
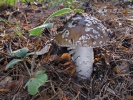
(82, 33)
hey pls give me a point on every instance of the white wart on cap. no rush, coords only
(84, 32)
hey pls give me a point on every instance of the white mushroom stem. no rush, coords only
(84, 58)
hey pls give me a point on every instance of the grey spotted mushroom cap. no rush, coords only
(82, 30)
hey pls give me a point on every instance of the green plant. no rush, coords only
(17, 30)
(13, 2)
(34, 83)
(66, 3)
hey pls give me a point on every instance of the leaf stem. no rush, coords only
(27, 68)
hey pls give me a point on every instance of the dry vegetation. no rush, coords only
(112, 77)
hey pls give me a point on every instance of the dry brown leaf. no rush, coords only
(12, 85)
(110, 7)
(66, 64)
(64, 97)
(46, 59)
(125, 12)
(129, 97)
(3, 90)
(66, 57)
(96, 59)
(4, 65)
(34, 7)
(68, 67)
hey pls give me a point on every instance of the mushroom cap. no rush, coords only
(82, 30)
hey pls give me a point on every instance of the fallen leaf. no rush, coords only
(129, 97)
(125, 12)
(54, 58)
(110, 7)
(64, 97)
(46, 59)
(68, 67)
(42, 51)
(71, 69)
(12, 85)
(4, 65)
(66, 57)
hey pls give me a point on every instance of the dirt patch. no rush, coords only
(112, 77)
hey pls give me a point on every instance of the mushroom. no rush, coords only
(82, 33)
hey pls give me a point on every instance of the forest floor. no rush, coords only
(112, 77)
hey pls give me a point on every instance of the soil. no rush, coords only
(112, 77)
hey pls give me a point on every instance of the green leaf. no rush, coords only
(21, 52)
(34, 83)
(11, 2)
(37, 30)
(27, 1)
(70, 4)
(32, 86)
(42, 79)
(78, 11)
(59, 12)
(39, 73)
(12, 63)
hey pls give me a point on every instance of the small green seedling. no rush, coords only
(34, 83)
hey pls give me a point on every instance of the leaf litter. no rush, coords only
(112, 77)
